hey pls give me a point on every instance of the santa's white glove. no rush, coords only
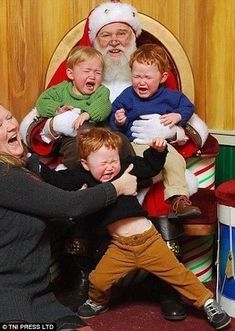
(149, 127)
(63, 123)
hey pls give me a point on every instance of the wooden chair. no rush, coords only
(203, 164)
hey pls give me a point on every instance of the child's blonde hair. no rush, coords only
(151, 54)
(80, 54)
(95, 138)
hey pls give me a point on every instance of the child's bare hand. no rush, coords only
(63, 109)
(120, 116)
(170, 119)
(158, 143)
(84, 186)
(80, 120)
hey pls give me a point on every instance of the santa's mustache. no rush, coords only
(113, 48)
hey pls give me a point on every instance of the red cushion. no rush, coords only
(211, 147)
(225, 193)
(187, 150)
(154, 201)
(205, 199)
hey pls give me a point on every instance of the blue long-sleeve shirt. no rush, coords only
(164, 101)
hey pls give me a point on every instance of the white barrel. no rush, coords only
(226, 254)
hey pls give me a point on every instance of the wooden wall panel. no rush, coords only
(3, 54)
(31, 30)
(220, 65)
(24, 54)
(192, 37)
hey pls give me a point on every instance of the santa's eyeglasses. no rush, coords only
(121, 35)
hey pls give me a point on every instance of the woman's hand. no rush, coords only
(126, 184)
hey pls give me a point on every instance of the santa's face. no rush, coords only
(116, 42)
(146, 79)
(86, 76)
(104, 164)
(10, 139)
(114, 39)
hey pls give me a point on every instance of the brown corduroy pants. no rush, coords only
(144, 251)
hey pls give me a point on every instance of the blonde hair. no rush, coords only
(151, 54)
(92, 140)
(11, 161)
(80, 54)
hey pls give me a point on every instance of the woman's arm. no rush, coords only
(26, 193)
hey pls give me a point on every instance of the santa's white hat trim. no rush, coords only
(113, 12)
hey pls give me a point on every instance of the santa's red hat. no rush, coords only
(113, 12)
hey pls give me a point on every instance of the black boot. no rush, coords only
(77, 264)
(80, 278)
(172, 307)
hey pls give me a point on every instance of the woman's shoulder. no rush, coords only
(3, 167)
(7, 170)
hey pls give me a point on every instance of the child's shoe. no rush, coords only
(90, 309)
(181, 206)
(215, 314)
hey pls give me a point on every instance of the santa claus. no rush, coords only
(113, 29)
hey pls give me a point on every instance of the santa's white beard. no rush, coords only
(117, 69)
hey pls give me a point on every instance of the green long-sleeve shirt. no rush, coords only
(97, 104)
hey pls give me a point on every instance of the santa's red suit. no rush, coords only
(31, 126)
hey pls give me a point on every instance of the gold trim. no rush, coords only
(148, 24)
(199, 229)
(175, 49)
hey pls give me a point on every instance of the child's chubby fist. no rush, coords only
(158, 143)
